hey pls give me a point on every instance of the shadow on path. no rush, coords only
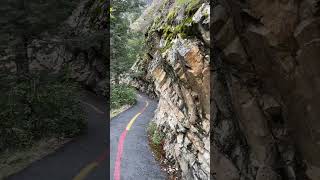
(68, 161)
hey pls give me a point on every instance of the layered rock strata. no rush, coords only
(176, 68)
(265, 89)
(80, 47)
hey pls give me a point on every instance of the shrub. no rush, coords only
(37, 107)
(122, 95)
(156, 136)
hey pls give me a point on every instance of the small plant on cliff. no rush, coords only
(156, 136)
(171, 15)
(156, 141)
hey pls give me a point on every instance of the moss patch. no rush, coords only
(192, 6)
(170, 32)
(169, 29)
(171, 15)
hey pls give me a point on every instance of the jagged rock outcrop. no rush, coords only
(265, 90)
(264, 81)
(80, 47)
(176, 68)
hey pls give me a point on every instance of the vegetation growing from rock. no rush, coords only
(170, 27)
(156, 136)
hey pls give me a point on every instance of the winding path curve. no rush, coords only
(86, 157)
(130, 155)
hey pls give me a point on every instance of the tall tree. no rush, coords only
(125, 44)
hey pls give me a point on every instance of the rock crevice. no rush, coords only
(269, 88)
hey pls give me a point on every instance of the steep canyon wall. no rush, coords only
(80, 46)
(176, 68)
(265, 89)
(264, 71)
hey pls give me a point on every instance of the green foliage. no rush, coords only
(40, 106)
(192, 6)
(184, 29)
(172, 14)
(122, 95)
(126, 45)
(171, 29)
(156, 136)
(189, 3)
(182, 2)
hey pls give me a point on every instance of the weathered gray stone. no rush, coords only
(307, 31)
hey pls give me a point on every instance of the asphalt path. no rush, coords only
(85, 157)
(128, 133)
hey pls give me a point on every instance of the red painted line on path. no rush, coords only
(119, 156)
(103, 157)
(117, 168)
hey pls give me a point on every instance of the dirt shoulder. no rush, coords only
(12, 162)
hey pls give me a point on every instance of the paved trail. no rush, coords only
(130, 155)
(84, 158)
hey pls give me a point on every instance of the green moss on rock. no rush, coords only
(170, 29)
(171, 15)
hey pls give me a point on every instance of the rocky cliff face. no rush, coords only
(176, 68)
(264, 81)
(265, 89)
(80, 46)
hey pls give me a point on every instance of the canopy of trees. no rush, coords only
(126, 45)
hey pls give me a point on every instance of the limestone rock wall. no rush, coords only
(79, 45)
(263, 107)
(176, 68)
(265, 89)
